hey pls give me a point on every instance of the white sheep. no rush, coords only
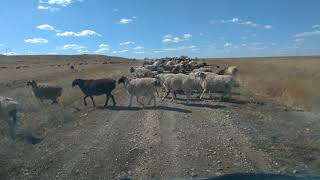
(231, 70)
(44, 91)
(141, 72)
(215, 83)
(8, 111)
(182, 82)
(146, 87)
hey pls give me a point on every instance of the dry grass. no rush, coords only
(293, 81)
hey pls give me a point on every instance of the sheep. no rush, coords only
(8, 111)
(215, 83)
(44, 91)
(96, 88)
(203, 70)
(182, 82)
(231, 70)
(141, 72)
(146, 87)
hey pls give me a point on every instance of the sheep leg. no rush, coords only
(114, 102)
(166, 95)
(131, 97)
(94, 105)
(139, 101)
(188, 96)
(106, 104)
(204, 91)
(154, 101)
(84, 100)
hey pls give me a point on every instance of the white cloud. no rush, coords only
(308, 34)
(167, 40)
(103, 49)
(187, 36)
(298, 40)
(227, 44)
(244, 37)
(167, 36)
(268, 26)
(125, 21)
(127, 43)
(120, 52)
(240, 22)
(139, 52)
(1, 44)
(46, 27)
(176, 39)
(10, 54)
(171, 39)
(36, 41)
(60, 2)
(49, 8)
(138, 48)
(201, 34)
(115, 10)
(316, 26)
(73, 47)
(84, 33)
(83, 51)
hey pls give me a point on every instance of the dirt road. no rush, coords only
(204, 138)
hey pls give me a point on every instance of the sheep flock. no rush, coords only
(155, 78)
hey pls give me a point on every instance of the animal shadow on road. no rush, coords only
(28, 138)
(212, 106)
(164, 108)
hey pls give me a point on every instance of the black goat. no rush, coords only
(96, 88)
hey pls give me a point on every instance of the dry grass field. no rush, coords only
(266, 127)
(293, 81)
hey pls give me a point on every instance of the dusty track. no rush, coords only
(174, 140)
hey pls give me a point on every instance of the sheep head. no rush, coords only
(200, 75)
(123, 79)
(76, 82)
(132, 70)
(31, 82)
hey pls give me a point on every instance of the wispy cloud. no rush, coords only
(84, 33)
(240, 22)
(307, 34)
(125, 21)
(227, 44)
(171, 39)
(298, 40)
(139, 52)
(120, 52)
(138, 48)
(80, 49)
(73, 47)
(268, 26)
(10, 54)
(36, 41)
(46, 27)
(49, 8)
(103, 49)
(52, 5)
(316, 26)
(127, 43)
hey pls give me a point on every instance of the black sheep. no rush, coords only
(96, 88)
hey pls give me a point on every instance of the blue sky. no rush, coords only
(158, 28)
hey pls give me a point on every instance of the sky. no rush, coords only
(160, 28)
